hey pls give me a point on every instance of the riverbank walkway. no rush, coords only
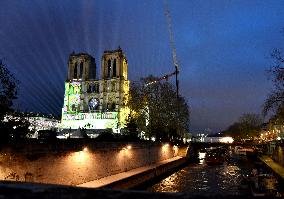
(277, 168)
(102, 182)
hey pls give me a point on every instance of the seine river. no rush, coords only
(199, 178)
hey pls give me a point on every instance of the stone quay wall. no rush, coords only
(278, 154)
(77, 162)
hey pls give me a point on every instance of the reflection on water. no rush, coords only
(201, 156)
(206, 180)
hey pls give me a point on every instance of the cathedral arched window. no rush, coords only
(73, 107)
(113, 86)
(89, 88)
(81, 70)
(97, 88)
(75, 71)
(114, 68)
(103, 107)
(71, 89)
(113, 106)
(108, 68)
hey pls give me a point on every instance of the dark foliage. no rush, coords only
(131, 127)
(106, 137)
(14, 129)
(12, 126)
(248, 126)
(157, 111)
(47, 134)
(8, 89)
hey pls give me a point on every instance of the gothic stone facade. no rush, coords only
(96, 103)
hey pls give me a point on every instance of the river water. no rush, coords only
(199, 178)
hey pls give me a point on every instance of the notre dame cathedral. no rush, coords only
(93, 103)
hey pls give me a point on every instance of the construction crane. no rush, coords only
(165, 77)
(173, 48)
(172, 43)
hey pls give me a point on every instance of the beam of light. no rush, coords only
(59, 28)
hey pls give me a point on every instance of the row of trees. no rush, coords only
(249, 125)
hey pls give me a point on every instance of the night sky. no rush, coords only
(223, 48)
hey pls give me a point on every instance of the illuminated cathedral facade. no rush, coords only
(93, 103)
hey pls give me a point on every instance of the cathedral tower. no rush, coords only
(114, 65)
(115, 85)
(96, 103)
(81, 66)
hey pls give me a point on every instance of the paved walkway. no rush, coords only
(113, 178)
(277, 168)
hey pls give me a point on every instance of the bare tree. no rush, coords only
(275, 99)
(8, 89)
(15, 126)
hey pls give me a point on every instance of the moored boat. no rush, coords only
(244, 151)
(216, 156)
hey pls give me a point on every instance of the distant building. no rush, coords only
(92, 103)
(212, 138)
(42, 123)
(36, 121)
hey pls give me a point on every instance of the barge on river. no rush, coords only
(216, 155)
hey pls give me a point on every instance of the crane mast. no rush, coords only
(172, 43)
(173, 49)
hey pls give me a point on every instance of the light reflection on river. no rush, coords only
(202, 179)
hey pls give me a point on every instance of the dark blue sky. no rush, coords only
(223, 48)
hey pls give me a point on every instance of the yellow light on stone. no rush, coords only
(85, 149)
(166, 145)
(80, 156)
